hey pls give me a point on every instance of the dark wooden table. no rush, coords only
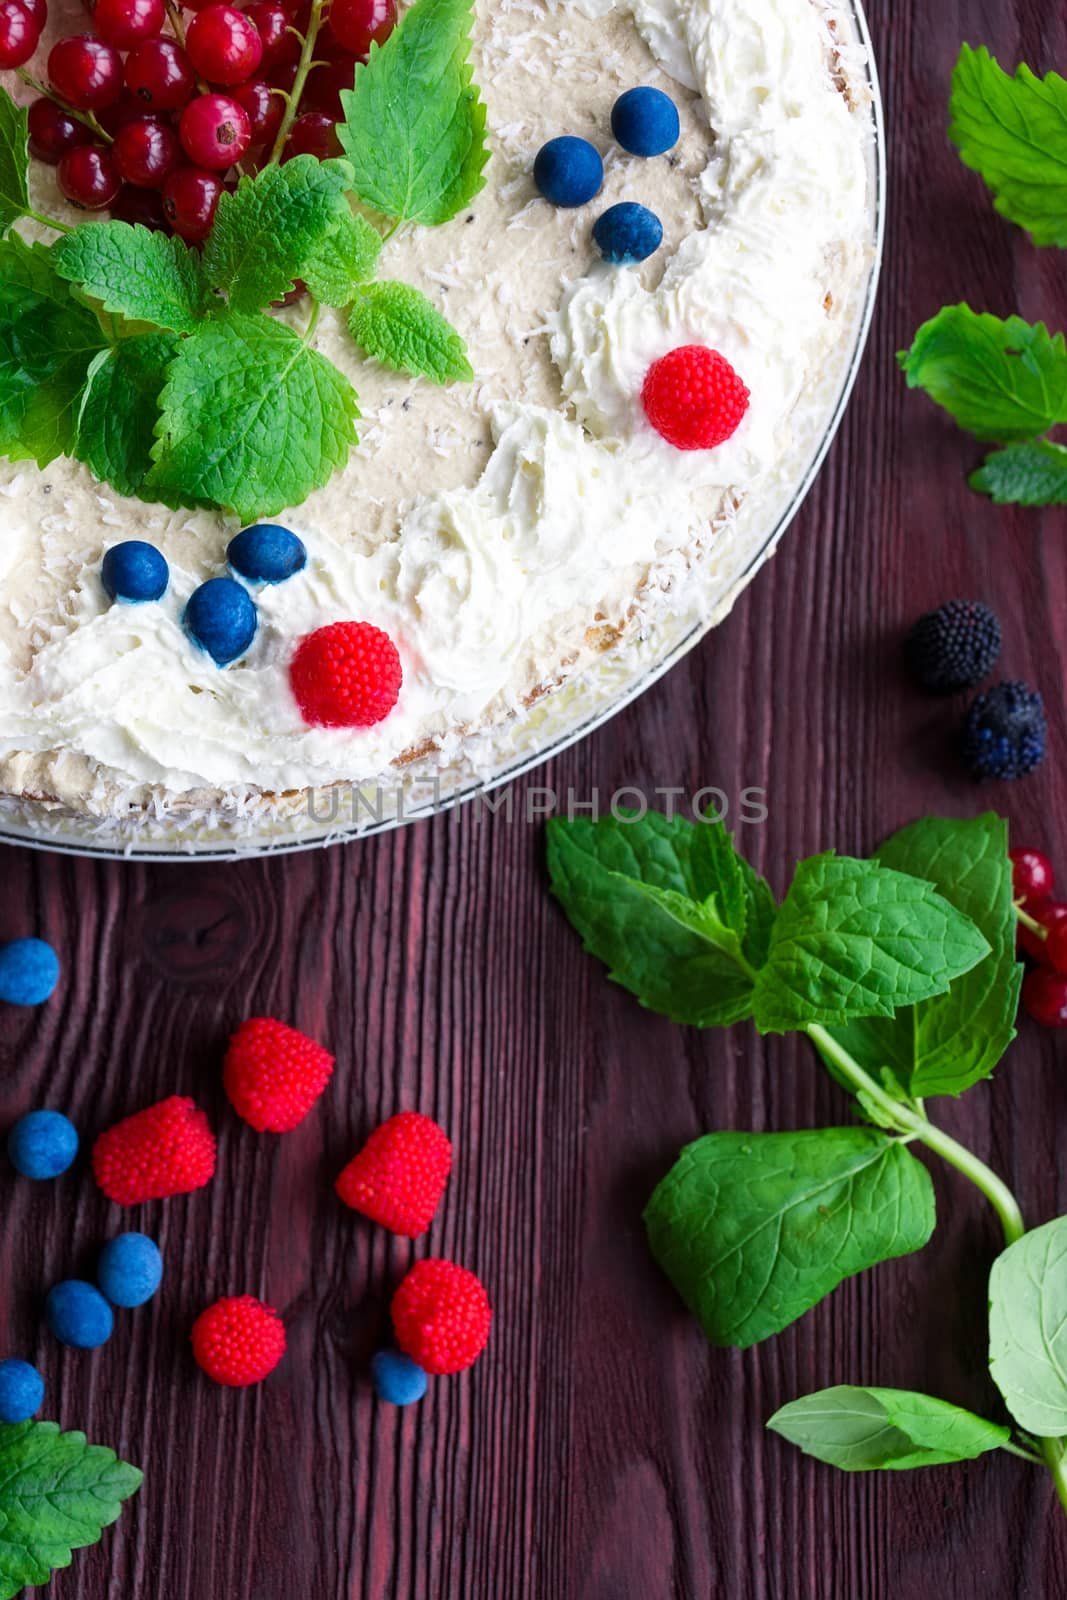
(600, 1451)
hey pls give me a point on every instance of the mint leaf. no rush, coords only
(414, 127)
(120, 407)
(1033, 474)
(1001, 380)
(1013, 131)
(666, 904)
(346, 257)
(946, 1044)
(47, 341)
(853, 939)
(251, 419)
(14, 162)
(270, 226)
(399, 326)
(864, 1429)
(57, 1494)
(754, 1228)
(1028, 1329)
(142, 275)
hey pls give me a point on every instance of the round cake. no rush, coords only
(514, 536)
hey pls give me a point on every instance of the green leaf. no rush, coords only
(754, 1228)
(414, 127)
(142, 275)
(47, 342)
(57, 1494)
(1028, 1329)
(14, 161)
(864, 1429)
(1001, 380)
(853, 939)
(396, 324)
(1033, 474)
(251, 419)
(346, 257)
(946, 1044)
(271, 225)
(665, 903)
(1013, 131)
(120, 408)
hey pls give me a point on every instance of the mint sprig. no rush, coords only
(867, 1430)
(57, 1494)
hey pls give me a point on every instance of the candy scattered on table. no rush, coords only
(398, 1380)
(627, 233)
(238, 1340)
(42, 1144)
(693, 397)
(954, 647)
(221, 618)
(568, 171)
(645, 122)
(441, 1316)
(165, 1150)
(21, 1391)
(1004, 732)
(273, 1074)
(399, 1176)
(130, 1269)
(266, 553)
(134, 571)
(78, 1315)
(29, 972)
(346, 675)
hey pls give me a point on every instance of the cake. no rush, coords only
(518, 537)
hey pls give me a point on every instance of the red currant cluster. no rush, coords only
(1042, 936)
(148, 124)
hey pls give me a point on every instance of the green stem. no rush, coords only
(307, 60)
(1023, 1455)
(312, 322)
(1056, 1462)
(1032, 923)
(86, 118)
(49, 222)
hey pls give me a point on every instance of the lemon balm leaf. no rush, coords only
(14, 161)
(397, 325)
(344, 259)
(142, 275)
(1001, 379)
(119, 407)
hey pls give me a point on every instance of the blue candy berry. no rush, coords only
(1004, 732)
(568, 171)
(134, 571)
(130, 1269)
(266, 553)
(627, 233)
(21, 1391)
(645, 122)
(42, 1144)
(397, 1379)
(221, 618)
(78, 1314)
(29, 972)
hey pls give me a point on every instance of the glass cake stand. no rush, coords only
(578, 706)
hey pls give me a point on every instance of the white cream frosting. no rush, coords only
(485, 531)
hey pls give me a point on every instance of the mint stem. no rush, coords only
(307, 60)
(49, 222)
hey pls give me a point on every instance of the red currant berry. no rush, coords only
(355, 23)
(160, 74)
(144, 206)
(18, 34)
(224, 45)
(272, 25)
(190, 200)
(38, 10)
(263, 108)
(54, 131)
(283, 77)
(1048, 913)
(124, 23)
(215, 131)
(146, 153)
(85, 72)
(314, 134)
(1031, 875)
(87, 177)
(324, 86)
(127, 108)
(1045, 997)
(1056, 946)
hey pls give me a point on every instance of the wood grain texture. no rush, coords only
(600, 1451)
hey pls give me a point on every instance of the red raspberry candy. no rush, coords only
(399, 1176)
(694, 398)
(273, 1074)
(167, 1150)
(238, 1340)
(346, 675)
(441, 1316)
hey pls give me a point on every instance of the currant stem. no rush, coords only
(174, 16)
(1032, 923)
(307, 60)
(86, 118)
